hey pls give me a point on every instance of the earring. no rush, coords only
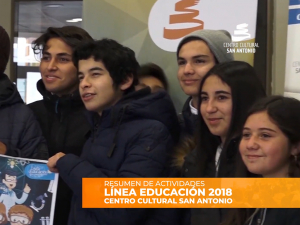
(296, 158)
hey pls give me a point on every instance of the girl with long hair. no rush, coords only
(270, 147)
(226, 93)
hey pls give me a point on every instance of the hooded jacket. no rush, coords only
(187, 120)
(133, 138)
(65, 127)
(20, 131)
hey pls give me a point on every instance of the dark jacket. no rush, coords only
(64, 126)
(190, 168)
(131, 139)
(187, 120)
(276, 217)
(20, 131)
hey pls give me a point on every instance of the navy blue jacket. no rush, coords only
(134, 138)
(20, 131)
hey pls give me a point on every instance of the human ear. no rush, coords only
(296, 150)
(127, 83)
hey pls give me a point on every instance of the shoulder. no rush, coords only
(36, 105)
(149, 128)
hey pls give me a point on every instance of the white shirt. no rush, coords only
(9, 200)
(217, 158)
(194, 111)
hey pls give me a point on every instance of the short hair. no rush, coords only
(3, 213)
(10, 172)
(119, 60)
(71, 35)
(18, 209)
(153, 70)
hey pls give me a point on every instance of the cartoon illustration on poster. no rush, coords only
(27, 192)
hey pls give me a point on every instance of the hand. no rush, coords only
(53, 160)
(27, 189)
(2, 148)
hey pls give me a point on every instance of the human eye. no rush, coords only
(222, 97)
(63, 59)
(265, 135)
(95, 74)
(80, 77)
(45, 58)
(204, 98)
(181, 62)
(199, 61)
(246, 135)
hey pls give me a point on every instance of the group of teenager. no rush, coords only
(102, 115)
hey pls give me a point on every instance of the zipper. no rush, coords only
(95, 131)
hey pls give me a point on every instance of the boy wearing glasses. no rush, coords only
(9, 197)
(20, 215)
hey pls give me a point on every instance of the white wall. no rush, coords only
(5, 22)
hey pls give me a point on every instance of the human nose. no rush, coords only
(85, 83)
(252, 143)
(211, 106)
(188, 69)
(52, 64)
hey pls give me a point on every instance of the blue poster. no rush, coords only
(27, 191)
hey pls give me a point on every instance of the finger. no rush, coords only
(53, 169)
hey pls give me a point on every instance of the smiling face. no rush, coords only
(58, 72)
(96, 86)
(264, 148)
(194, 60)
(216, 106)
(10, 181)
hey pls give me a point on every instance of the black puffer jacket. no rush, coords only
(20, 131)
(65, 127)
(211, 216)
(133, 138)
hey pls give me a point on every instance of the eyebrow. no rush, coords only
(261, 129)
(96, 68)
(91, 70)
(217, 92)
(194, 57)
(59, 54)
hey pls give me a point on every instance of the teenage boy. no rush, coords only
(61, 112)
(197, 53)
(153, 76)
(133, 134)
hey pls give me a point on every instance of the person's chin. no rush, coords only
(190, 92)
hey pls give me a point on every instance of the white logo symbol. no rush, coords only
(241, 33)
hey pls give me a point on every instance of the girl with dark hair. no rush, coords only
(270, 147)
(226, 93)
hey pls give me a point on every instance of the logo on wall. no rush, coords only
(178, 19)
(169, 21)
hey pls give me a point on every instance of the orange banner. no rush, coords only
(191, 193)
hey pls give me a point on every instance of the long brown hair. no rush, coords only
(284, 112)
